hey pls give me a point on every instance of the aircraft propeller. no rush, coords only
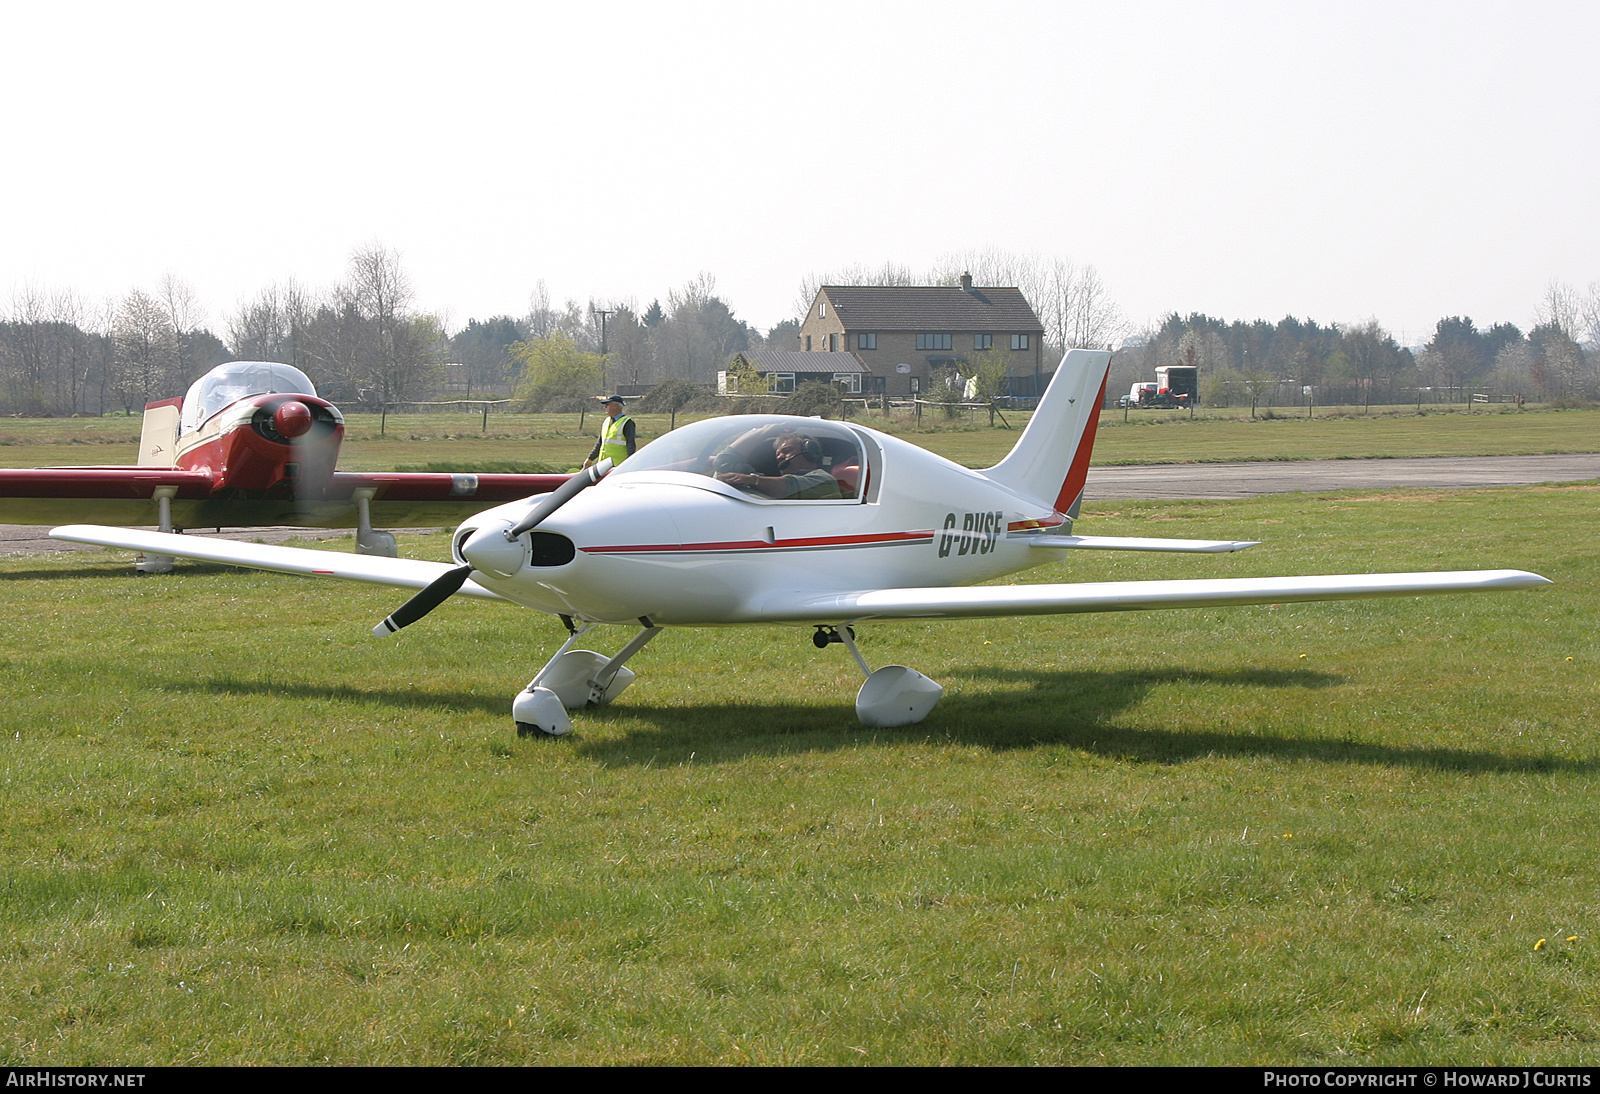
(485, 550)
(559, 497)
(436, 592)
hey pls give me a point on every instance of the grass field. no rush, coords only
(555, 441)
(239, 830)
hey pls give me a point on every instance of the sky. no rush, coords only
(1338, 161)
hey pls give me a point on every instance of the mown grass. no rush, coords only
(555, 441)
(239, 830)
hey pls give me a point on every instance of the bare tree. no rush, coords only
(196, 348)
(1559, 309)
(400, 350)
(146, 363)
(1589, 309)
(260, 330)
(542, 318)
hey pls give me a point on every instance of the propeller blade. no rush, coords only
(436, 592)
(559, 497)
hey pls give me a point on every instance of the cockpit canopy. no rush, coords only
(748, 443)
(228, 383)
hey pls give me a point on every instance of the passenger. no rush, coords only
(800, 473)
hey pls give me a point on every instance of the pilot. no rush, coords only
(800, 473)
(617, 440)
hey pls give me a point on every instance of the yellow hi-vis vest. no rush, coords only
(612, 446)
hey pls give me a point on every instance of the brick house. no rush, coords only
(902, 333)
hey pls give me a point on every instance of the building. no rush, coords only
(902, 333)
(786, 370)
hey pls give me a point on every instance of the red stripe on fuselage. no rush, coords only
(877, 540)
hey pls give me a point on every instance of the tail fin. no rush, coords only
(158, 440)
(1051, 458)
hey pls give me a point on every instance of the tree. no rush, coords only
(1371, 353)
(990, 369)
(699, 333)
(274, 325)
(555, 372)
(396, 351)
(182, 307)
(1560, 365)
(1559, 310)
(146, 363)
(1455, 353)
(784, 335)
(484, 349)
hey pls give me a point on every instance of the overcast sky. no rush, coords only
(1336, 161)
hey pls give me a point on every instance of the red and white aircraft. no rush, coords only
(252, 445)
(686, 533)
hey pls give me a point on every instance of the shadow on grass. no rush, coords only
(123, 567)
(1075, 709)
(417, 699)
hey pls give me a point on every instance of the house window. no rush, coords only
(866, 341)
(849, 381)
(832, 346)
(1019, 341)
(916, 385)
(822, 311)
(933, 341)
(808, 343)
(983, 341)
(780, 383)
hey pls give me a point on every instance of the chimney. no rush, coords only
(966, 282)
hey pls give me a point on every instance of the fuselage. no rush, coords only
(242, 448)
(666, 540)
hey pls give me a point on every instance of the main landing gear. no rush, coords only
(158, 564)
(892, 696)
(574, 679)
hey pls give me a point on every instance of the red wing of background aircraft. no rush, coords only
(251, 444)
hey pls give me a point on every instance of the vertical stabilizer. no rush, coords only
(1051, 459)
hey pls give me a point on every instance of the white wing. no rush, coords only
(1123, 596)
(1137, 543)
(403, 573)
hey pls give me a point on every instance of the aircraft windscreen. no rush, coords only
(228, 383)
(748, 444)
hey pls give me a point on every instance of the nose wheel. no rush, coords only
(574, 679)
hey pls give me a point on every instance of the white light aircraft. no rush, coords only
(770, 519)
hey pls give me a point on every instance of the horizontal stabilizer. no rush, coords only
(1136, 543)
(1125, 596)
(404, 573)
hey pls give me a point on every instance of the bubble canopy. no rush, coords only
(749, 442)
(228, 383)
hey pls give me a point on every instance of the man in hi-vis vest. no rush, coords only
(616, 441)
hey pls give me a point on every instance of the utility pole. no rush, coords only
(604, 314)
